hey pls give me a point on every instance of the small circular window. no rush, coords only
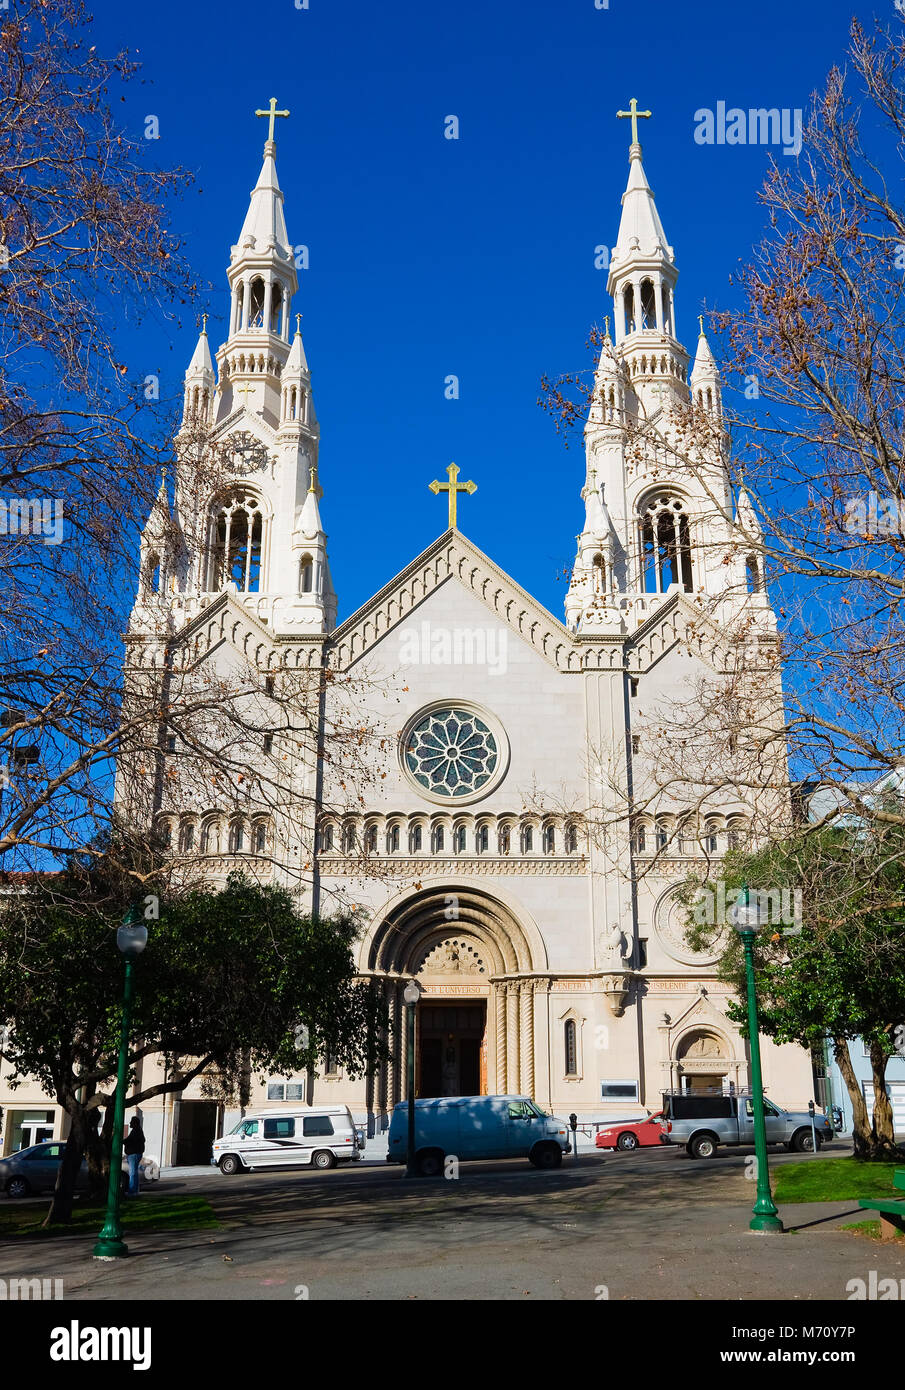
(453, 752)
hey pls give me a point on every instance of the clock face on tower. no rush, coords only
(244, 454)
(453, 752)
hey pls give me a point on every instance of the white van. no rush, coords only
(322, 1137)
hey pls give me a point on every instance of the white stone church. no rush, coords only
(552, 957)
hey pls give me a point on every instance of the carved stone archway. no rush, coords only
(462, 943)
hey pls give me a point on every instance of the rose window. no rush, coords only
(451, 752)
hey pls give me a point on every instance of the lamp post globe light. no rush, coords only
(747, 915)
(411, 994)
(131, 938)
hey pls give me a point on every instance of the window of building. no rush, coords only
(636, 743)
(260, 837)
(527, 840)
(438, 839)
(459, 839)
(306, 575)
(234, 549)
(276, 1090)
(268, 743)
(570, 1044)
(752, 574)
(393, 840)
(187, 836)
(256, 303)
(711, 842)
(640, 838)
(295, 1090)
(371, 839)
(571, 839)
(171, 743)
(481, 839)
(549, 840)
(326, 837)
(642, 953)
(618, 1090)
(665, 545)
(210, 837)
(415, 838)
(662, 835)
(348, 841)
(236, 837)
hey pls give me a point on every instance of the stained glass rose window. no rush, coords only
(451, 752)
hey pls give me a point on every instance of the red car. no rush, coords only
(633, 1134)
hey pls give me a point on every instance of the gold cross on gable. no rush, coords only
(634, 113)
(243, 391)
(453, 488)
(272, 112)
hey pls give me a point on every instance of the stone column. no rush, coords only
(512, 1039)
(499, 1007)
(383, 1077)
(397, 1077)
(526, 1010)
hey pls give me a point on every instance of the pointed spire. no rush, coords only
(296, 361)
(264, 228)
(746, 518)
(202, 361)
(705, 377)
(641, 233)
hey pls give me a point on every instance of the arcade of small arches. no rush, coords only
(215, 833)
(643, 303)
(260, 304)
(235, 543)
(664, 543)
(422, 834)
(683, 836)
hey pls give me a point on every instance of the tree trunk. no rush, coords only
(67, 1177)
(884, 1134)
(862, 1134)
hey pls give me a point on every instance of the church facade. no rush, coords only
(505, 853)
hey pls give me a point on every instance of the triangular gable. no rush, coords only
(453, 557)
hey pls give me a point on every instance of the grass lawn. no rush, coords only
(870, 1228)
(144, 1214)
(834, 1180)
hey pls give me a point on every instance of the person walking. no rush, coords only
(133, 1148)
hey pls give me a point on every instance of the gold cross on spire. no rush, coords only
(272, 112)
(634, 113)
(701, 322)
(453, 488)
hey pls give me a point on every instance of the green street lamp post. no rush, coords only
(131, 938)
(747, 918)
(411, 994)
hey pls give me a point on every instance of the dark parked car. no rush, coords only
(35, 1170)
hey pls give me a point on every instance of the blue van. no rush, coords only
(468, 1127)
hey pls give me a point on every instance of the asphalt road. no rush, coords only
(649, 1225)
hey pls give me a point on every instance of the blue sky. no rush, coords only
(475, 257)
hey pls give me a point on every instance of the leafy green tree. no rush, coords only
(231, 982)
(839, 971)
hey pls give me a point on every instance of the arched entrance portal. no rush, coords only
(481, 965)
